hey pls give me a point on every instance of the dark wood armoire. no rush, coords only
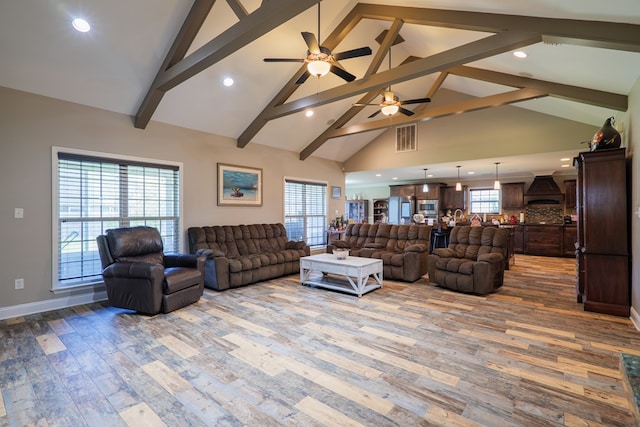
(602, 244)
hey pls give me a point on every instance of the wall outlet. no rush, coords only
(19, 283)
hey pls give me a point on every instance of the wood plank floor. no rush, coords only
(278, 353)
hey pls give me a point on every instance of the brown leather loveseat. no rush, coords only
(473, 262)
(403, 249)
(238, 255)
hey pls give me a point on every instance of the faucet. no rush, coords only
(456, 213)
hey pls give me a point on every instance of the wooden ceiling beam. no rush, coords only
(574, 93)
(475, 104)
(190, 27)
(611, 35)
(479, 49)
(267, 17)
(237, 8)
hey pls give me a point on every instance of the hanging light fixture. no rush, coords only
(425, 186)
(458, 184)
(496, 183)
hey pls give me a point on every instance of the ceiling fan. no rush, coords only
(320, 60)
(390, 104)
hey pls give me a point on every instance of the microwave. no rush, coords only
(427, 207)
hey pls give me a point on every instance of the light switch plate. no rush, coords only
(18, 213)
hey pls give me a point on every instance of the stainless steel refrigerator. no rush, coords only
(401, 209)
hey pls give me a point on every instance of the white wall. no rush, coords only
(30, 125)
(632, 129)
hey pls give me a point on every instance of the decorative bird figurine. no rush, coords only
(606, 137)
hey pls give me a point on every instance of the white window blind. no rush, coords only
(93, 194)
(305, 212)
(485, 201)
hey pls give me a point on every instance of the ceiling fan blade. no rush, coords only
(415, 101)
(282, 60)
(312, 42)
(374, 114)
(340, 72)
(406, 112)
(353, 53)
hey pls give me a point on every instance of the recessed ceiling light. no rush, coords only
(565, 166)
(81, 25)
(471, 172)
(228, 81)
(519, 54)
(565, 159)
(309, 113)
(378, 174)
(395, 177)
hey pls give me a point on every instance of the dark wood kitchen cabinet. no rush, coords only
(518, 239)
(432, 194)
(513, 195)
(570, 194)
(402, 190)
(569, 239)
(452, 199)
(603, 245)
(544, 240)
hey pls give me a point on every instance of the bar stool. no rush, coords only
(441, 239)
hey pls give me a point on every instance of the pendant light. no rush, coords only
(425, 186)
(458, 184)
(496, 183)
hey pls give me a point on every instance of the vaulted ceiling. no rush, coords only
(166, 61)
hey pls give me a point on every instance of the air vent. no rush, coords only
(406, 138)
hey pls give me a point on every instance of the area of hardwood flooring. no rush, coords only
(278, 353)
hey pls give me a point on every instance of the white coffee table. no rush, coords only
(350, 275)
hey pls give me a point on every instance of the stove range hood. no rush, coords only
(543, 191)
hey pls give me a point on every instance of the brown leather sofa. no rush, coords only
(238, 255)
(403, 249)
(473, 262)
(138, 276)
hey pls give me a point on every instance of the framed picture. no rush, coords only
(239, 185)
(336, 192)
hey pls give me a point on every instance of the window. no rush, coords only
(305, 212)
(93, 192)
(485, 201)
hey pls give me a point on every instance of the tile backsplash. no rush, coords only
(550, 214)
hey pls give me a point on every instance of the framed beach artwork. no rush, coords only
(239, 185)
(336, 192)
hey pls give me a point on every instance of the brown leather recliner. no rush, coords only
(139, 276)
(473, 262)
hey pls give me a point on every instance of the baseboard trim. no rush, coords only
(635, 318)
(51, 304)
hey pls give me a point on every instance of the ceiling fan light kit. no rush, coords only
(318, 67)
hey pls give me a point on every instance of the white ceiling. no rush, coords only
(113, 66)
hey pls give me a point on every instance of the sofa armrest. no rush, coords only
(340, 244)
(491, 258)
(445, 253)
(291, 244)
(181, 260)
(210, 253)
(417, 247)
